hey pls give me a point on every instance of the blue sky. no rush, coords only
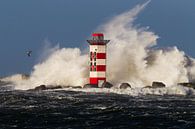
(25, 24)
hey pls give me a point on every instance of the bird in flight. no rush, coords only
(29, 53)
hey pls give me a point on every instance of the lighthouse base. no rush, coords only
(101, 85)
(90, 86)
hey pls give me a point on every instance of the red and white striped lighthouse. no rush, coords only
(97, 47)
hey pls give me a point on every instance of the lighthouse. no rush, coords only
(97, 57)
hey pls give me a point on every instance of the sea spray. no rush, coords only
(131, 57)
(65, 67)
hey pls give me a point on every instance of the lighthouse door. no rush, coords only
(100, 82)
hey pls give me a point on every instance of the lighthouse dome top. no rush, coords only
(97, 34)
(98, 39)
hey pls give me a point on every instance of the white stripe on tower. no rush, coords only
(98, 48)
(98, 74)
(101, 62)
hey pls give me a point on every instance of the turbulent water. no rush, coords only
(63, 109)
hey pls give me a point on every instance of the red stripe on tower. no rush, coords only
(101, 67)
(101, 56)
(97, 68)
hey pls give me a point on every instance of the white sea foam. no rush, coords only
(137, 91)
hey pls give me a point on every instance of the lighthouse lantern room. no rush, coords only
(97, 57)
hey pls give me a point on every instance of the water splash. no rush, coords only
(131, 57)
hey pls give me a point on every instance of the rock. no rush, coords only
(53, 87)
(44, 87)
(90, 86)
(189, 84)
(39, 88)
(158, 85)
(77, 87)
(106, 85)
(125, 86)
(147, 87)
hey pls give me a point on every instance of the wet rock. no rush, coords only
(90, 86)
(158, 85)
(53, 87)
(44, 87)
(39, 88)
(77, 87)
(125, 86)
(147, 87)
(189, 84)
(106, 85)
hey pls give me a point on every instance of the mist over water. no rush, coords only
(131, 56)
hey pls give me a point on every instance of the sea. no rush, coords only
(87, 109)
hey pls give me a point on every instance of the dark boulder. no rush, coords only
(77, 87)
(53, 87)
(106, 85)
(158, 85)
(147, 87)
(90, 86)
(189, 84)
(39, 88)
(44, 87)
(125, 86)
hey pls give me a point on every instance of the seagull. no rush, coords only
(29, 53)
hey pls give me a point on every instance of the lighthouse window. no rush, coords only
(91, 54)
(94, 68)
(94, 56)
(91, 64)
(101, 38)
(94, 63)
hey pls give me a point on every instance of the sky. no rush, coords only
(27, 24)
